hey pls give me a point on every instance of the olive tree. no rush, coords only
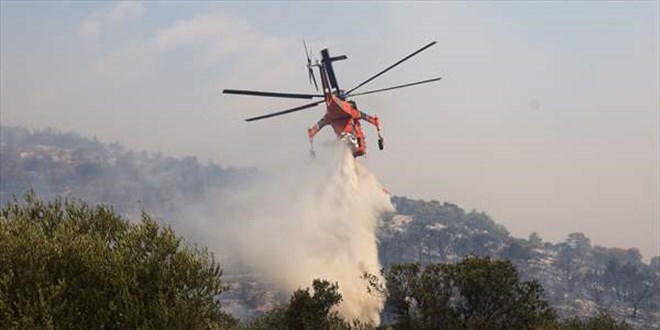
(65, 264)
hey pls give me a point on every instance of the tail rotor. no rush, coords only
(310, 71)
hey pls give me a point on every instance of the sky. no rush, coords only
(546, 117)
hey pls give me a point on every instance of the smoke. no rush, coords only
(316, 220)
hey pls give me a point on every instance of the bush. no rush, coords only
(68, 265)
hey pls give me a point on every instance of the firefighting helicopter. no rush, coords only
(341, 113)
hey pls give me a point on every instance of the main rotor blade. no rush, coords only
(399, 86)
(271, 94)
(302, 107)
(391, 66)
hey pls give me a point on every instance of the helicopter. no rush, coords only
(342, 113)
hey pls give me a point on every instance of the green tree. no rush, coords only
(313, 311)
(308, 310)
(493, 297)
(68, 265)
(476, 293)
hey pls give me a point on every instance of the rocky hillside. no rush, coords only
(68, 165)
(578, 278)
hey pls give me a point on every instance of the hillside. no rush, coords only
(68, 165)
(579, 279)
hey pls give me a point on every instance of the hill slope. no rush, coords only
(66, 164)
(579, 279)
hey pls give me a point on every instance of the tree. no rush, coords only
(493, 297)
(476, 293)
(535, 240)
(632, 283)
(69, 265)
(308, 311)
(518, 251)
(572, 256)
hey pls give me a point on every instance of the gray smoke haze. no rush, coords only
(313, 220)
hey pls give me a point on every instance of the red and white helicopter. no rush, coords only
(341, 113)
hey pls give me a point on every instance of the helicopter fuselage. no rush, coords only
(345, 121)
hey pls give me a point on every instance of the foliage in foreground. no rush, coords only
(476, 293)
(305, 310)
(68, 265)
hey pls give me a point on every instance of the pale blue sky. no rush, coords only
(546, 117)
